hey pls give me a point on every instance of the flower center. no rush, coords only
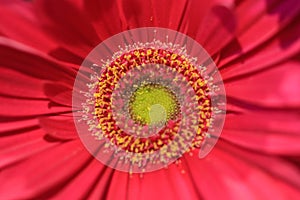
(153, 104)
(152, 66)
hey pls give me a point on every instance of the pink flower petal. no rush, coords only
(280, 167)
(173, 184)
(50, 169)
(100, 189)
(264, 20)
(118, 188)
(20, 17)
(78, 36)
(217, 29)
(29, 107)
(275, 87)
(174, 17)
(270, 54)
(233, 178)
(257, 26)
(268, 121)
(32, 62)
(18, 147)
(62, 128)
(274, 143)
(16, 84)
(209, 177)
(60, 93)
(16, 124)
(137, 13)
(105, 17)
(81, 185)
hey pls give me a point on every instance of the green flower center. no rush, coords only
(153, 104)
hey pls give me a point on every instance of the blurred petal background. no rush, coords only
(255, 45)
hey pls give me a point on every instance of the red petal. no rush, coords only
(208, 177)
(223, 175)
(173, 16)
(62, 128)
(217, 29)
(28, 107)
(280, 167)
(173, 184)
(275, 87)
(59, 92)
(263, 20)
(280, 121)
(14, 124)
(105, 17)
(100, 189)
(137, 13)
(270, 132)
(275, 143)
(14, 83)
(118, 186)
(81, 185)
(17, 147)
(18, 22)
(42, 173)
(261, 25)
(78, 36)
(266, 56)
(31, 62)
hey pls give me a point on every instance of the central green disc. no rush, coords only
(152, 104)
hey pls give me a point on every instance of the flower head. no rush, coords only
(149, 102)
(47, 60)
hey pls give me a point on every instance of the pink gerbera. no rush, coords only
(255, 46)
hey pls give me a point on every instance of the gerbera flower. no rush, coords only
(255, 46)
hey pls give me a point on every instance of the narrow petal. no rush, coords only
(263, 21)
(233, 178)
(174, 17)
(80, 186)
(19, 16)
(270, 120)
(137, 13)
(279, 167)
(17, 147)
(31, 62)
(59, 92)
(78, 33)
(217, 29)
(269, 132)
(16, 84)
(51, 169)
(275, 87)
(29, 107)
(173, 184)
(274, 143)
(100, 189)
(62, 128)
(208, 176)
(119, 186)
(105, 14)
(14, 124)
(270, 54)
